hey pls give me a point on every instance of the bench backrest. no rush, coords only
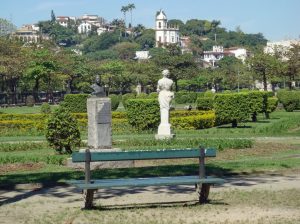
(142, 155)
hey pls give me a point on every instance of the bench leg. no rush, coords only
(88, 197)
(203, 192)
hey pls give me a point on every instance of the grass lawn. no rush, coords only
(39, 166)
(24, 109)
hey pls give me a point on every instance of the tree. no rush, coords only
(181, 66)
(53, 18)
(265, 67)
(102, 42)
(146, 39)
(126, 50)
(124, 9)
(62, 131)
(230, 68)
(114, 75)
(292, 70)
(196, 45)
(73, 67)
(41, 68)
(13, 62)
(130, 7)
(6, 27)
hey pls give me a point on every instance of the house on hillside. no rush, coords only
(84, 27)
(211, 58)
(64, 20)
(164, 33)
(27, 34)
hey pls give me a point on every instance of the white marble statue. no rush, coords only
(164, 98)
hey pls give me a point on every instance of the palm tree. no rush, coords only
(130, 7)
(124, 9)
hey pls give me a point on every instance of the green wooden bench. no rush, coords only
(201, 181)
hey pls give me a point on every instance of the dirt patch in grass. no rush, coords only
(14, 167)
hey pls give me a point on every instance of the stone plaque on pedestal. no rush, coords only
(99, 123)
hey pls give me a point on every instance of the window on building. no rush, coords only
(159, 24)
(172, 39)
(159, 38)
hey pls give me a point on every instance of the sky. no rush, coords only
(276, 19)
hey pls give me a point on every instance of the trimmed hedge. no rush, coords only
(272, 104)
(289, 99)
(142, 96)
(115, 101)
(126, 97)
(194, 122)
(143, 113)
(232, 108)
(75, 103)
(205, 103)
(153, 95)
(183, 97)
(45, 108)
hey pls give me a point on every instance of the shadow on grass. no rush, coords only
(40, 181)
(10, 181)
(191, 203)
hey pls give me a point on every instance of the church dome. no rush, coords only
(160, 15)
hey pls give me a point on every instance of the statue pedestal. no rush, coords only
(99, 134)
(164, 132)
(99, 123)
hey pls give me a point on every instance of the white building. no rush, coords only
(84, 27)
(164, 33)
(239, 53)
(28, 34)
(213, 57)
(62, 20)
(280, 46)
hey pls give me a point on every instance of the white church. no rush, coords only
(164, 33)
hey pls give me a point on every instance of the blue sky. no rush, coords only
(276, 19)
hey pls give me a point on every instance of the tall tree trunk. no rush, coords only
(234, 123)
(36, 90)
(265, 83)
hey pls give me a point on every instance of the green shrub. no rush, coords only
(30, 101)
(75, 103)
(187, 113)
(153, 95)
(142, 96)
(62, 131)
(115, 101)
(126, 97)
(257, 102)
(143, 113)
(289, 99)
(231, 108)
(45, 108)
(209, 93)
(183, 97)
(272, 104)
(205, 103)
(194, 122)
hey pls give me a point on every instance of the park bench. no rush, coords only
(201, 181)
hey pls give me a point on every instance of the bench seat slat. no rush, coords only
(152, 181)
(143, 155)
